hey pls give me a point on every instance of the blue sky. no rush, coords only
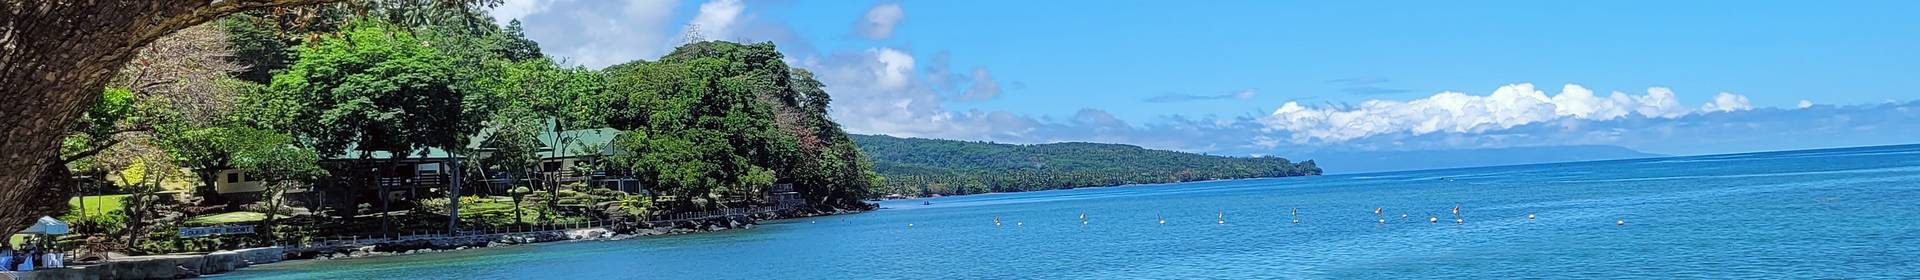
(1367, 75)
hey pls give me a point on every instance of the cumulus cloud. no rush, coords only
(594, 33)
(1699, 133)
(879, 21)
(1454, 112)
(598, 33)
(1727, 102)
(1177, 97)
(715, 21)
(511, 10)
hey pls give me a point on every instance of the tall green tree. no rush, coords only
(374, 88)
(721, 120)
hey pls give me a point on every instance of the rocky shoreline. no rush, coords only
(619, 232)
(195, 265)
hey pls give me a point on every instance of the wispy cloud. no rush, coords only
(1178, 97)
(880, 21)
(1366, 86)
(984, 86)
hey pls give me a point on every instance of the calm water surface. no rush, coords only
(1847, 213)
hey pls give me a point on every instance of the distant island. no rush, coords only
(924, 167)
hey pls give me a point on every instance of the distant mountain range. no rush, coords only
(1349, 162)
(916, 166)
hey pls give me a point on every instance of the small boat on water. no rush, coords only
(926, 203)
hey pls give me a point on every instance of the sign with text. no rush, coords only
(214, 231)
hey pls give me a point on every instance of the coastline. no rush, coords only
(610, 233)
(177, 266)
(910, 197)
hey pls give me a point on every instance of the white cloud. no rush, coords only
(879, 21)
(716, 20)
(1805, 104)
(1245, 94)
(1454, 112)
(595, 33)
(1727, 102)
(516, 9)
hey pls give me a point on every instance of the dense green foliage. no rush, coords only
(719, 119)
(914, 166)
(375, 87)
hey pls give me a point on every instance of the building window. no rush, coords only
(233, 177)
(552, 166)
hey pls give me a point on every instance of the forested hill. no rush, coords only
(917, 166)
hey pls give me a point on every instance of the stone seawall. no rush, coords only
(159, 266)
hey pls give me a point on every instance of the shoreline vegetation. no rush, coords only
(375, 121)
(919, 167)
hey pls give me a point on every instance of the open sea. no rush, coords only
(1840, 213)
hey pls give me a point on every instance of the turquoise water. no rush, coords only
(1848, 213)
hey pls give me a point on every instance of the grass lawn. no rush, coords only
(228, 218)
(98, 204)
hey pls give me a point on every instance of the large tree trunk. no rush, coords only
(55, 55)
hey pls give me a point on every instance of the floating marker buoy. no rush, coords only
(1529, 216)
(1460, 221)
(1621, 222)
(1296, 221)
(1019, 223)
(909, 225)
(1383, 221)
(1434, 220)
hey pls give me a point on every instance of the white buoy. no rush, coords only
(1434, 220)
(1383, 221)
(1529, 216)
(1460, 221)
(1020, 223)
(909, 225)
(1296, 221)
(1621, 222)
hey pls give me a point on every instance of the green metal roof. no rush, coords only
(579, 142)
